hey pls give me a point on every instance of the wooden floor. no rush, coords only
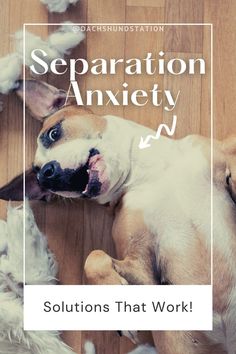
(76, 228)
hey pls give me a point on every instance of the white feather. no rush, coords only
(58, 5)
(55, 46)
(144, 349)
(65, 38)
(89, 348)
(32, 42)
(10, 70)
(41, 268)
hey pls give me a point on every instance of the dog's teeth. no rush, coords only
(87, 171)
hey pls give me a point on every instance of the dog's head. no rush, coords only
(78, 154)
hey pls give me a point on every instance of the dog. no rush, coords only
(162, 199)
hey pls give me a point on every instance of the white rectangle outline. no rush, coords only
(211, 116)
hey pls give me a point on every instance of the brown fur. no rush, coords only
(223, 280)
(76, 122)
(193, 266)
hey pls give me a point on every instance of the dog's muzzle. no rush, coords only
(52, 177)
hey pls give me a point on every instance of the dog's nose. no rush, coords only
(49, 170)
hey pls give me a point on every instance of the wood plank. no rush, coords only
(223, 17)
(206, 85)
(5, 128)
(111, 45)
(104, 11)
(138, 44)
(67, 238)
(188, 107)
(98, 222)
(185, 38)
(146, 3)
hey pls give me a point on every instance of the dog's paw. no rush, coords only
(99, 270)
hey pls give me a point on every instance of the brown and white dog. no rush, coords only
(162, 197)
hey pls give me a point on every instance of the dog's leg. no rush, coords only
(138, 265)
(134, 270)
(135, 247)
(100, 269)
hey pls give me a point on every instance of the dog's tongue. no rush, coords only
(97, 176)
(95, 161)
(97, 168)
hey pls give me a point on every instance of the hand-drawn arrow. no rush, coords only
(144, 142)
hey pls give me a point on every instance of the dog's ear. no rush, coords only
(41, 98)
(14, 189)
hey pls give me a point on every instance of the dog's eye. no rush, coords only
(50, 136)
(54, 134)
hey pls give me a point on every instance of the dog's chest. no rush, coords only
(175, 194)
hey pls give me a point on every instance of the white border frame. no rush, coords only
(211, 117)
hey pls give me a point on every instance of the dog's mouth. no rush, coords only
(97, 181)
(90, 180)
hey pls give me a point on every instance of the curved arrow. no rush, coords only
(145, 142)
